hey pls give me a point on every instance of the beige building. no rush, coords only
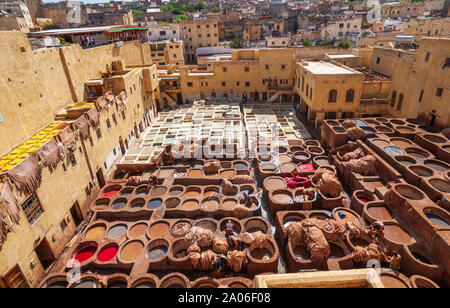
(198, 33)
(167, 52)
(428, 27)
(50, 213)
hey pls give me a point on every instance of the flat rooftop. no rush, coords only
(326, 68)
(344, 56)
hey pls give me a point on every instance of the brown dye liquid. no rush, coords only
(391, 282)
(132, 251)
(282, 198)
(406, 162)
(322, 162)
(227, 174)
(348, 216)
(284, 158)
(95, 233)
(396, 234)
(158, 191)
(381, 143)
(210, 193)
(287, 168)
(211, 205)
(229, 205)
(190, 205)
(261, 254)
(275, 184)
(192, 194)
(158, 230)
(401, 143)
(138, 230)
(195, 173)
(379, 213)
(175, 191)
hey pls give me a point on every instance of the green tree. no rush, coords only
(215, 9)
(135, 12)
(344, 43)
(200, 6)
(236, 43)
(50, 27)
(167, 8)
(326, 43)
(181, 17)
(306, 43)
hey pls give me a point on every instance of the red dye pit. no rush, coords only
(85, 254)
(110, 193)
(306, 168)
(107, 254)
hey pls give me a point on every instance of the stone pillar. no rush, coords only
(319, 118)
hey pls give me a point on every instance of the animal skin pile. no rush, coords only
(327, 182)
(366, 165)
(355, 133)
(212, 167)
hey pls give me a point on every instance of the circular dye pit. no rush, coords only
(240, 166)
(118, 204)
(211, 191)
(287, 167)
(340, 130)
(274, 183)
(228, 174)
(138, 230)
(261, 254)
(417, 153)
(255, 224)
(401, 142)
(287, 221)
(321, 162)
(180, 229)
(158, 191)
(180, 249)
(176, 191)
(210, 204)
(437, 220)
(346, 215)
(441, 185)
(86, 284)
(247, 189)
(284, 158)
(268, 167)
(131, 251)
(157, 252)
(95, 233)
(282, 197)
(365, 197)
(306, 168)
(409, 192)
(229, 204)
(396, 234)
(117, 285)
(192, 193)
(379, 213)
(145, 285)
(117, 231)
(435, 139)
(159, 229)
(320, 216)
(154, 203)
(137, 203)
(126, 191)
(437, 165)
(421, 258)
(85, 253)
(302, 253)
(208, 224)
(383, 129)
(393, 150)
(195, 173)
(392, 282)
(380, 143)
(405, 129)
(140, 192)
(237, 285)
(59, 284)
(405, 160)
(190, 205)
(421, 171)
(107, 254)
(110, 193)
(172, 203)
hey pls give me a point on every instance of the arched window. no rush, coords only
(393, 97)
(400, 102)
(307, 90)
(350, 95)
(332, 96)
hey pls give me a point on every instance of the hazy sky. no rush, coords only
(85, 1)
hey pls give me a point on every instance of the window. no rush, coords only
(310, 93)
(400, 102)
(32, 209)
(307, 90)
(427, 57)
(113, 116)
(189, 84)
(393, 97)
(91, 142)
(247, 69)
(267, 67)
(223, 83)
(87, 191)
(63, 224)
(283, 67)
(224, 69)
(247, 83)
(64, 167)
(303, 83)
(108, 123)
(73, 161)
(439, 92)
(123, 116)
(420, 96)
(238, 83)
(99, 133)
(332, 96)
(447, 62)
(349, 96)
(378, 60)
